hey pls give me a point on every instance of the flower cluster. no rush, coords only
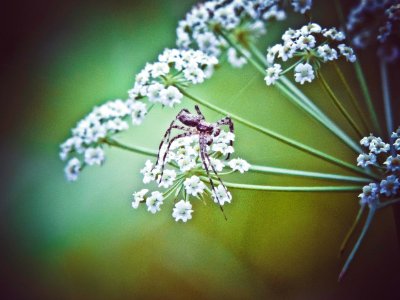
(188, 177)
(376, 23)
(160, 81)
(243, 19)
(385, 157)
(85, 146)
(311, 45)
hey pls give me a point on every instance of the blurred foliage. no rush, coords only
(83, 240)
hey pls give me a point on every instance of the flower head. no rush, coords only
(160, 81)
(189, 178)
(311, 45)
(207, 24)
(91, 133)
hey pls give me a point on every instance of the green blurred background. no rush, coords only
(84, 241)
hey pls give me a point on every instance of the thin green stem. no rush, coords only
(292, 66)
(306, 104)
(298, 98)
(339, 105)
(370, 217)
(254, 168)
(386, 97)
(351, 95)
(135, 149)
(292, 188)
(351, 230)
(367, 96)
(279, 137)
(318, 175)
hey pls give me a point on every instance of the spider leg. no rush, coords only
(169, 145)
(227, 121)
(197, 108)
(203, 154)
(167, 134)
(215, 172)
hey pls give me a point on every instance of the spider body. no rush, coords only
(195, 124)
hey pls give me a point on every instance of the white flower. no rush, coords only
(347, 52)
(327, 53)
(170, 96)
(221, 195)
(389, 186)
(167, 179)
(194, 74)
(364, 159)
(303, 73)
(378, 146)
(72, 169)
(396, 144)
(182, 211)
(149, 172)
(139, 111)
(366, 141)
(217, 164)
(306, 42)
(186, 163)
(225, 137)
(159, 68)
(393, 163)
(154, 92)
(272, 74)
(307, 29)
(370, 195)
(225, 149)
(239, 164)
(194, 186)
(138, 197)
(94, 156)
(154, 202)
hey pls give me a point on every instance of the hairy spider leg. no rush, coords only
(197, 108)
(203, 145)
(169, 145)
(227, 121)
(212, 167)
(167, 134)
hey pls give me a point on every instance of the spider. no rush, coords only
(195, 124)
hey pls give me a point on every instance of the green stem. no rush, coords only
(298, 98)
(292, 188)
(135, 149)
(351, 230)
(370, 216)
(386, 97)
(280, 137)
(292, 66)
(254, 168)
(352, 96)
(339, 105)
(367, 96)
(318, 175)
(307, 104)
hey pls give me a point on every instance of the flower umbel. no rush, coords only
(311, 45)
(196, 158)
